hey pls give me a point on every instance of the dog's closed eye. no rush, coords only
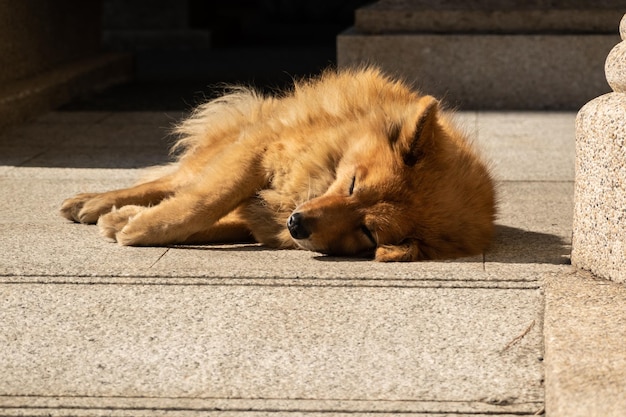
(368, 233)
(351, 189)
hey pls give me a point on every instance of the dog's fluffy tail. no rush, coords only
(216, 117)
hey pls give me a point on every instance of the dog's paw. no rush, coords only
(85, 208)
(408, 251)
(386, 254)
(133, 227)
(112, 223)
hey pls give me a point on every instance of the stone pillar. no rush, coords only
(599, 235)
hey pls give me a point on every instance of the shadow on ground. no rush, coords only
(514, 245)
(511, 245)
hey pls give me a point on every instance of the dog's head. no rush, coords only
(408, 188)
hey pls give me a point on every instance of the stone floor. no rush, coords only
(91, 328)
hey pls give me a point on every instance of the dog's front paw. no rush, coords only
(71, 207)
(129, 228)
(86, 208)
(112, 223)
(407, 251)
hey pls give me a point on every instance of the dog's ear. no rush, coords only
(414, 140)
(407, 251)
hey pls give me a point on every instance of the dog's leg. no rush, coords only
(229, 229)
(88, 207)
(217, 192)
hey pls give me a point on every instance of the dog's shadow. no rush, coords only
(510, 245)
(514, 245)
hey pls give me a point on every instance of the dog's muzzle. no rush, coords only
(297, 227)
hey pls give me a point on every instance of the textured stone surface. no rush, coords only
(489, 55)
(535, 224)
(91, 328)
(599, 231)
(525, 147)
(458, 16)
(615, 68)
(585, 329)
(127, 140)
(622, 28)
(293, 343)
(485, 71)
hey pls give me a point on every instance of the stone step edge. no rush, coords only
(83, 405)
(384, 19)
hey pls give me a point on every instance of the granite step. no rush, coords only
(487, 57)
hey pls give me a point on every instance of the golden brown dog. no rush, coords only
(350, 163)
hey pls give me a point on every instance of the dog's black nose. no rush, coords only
(296, 226)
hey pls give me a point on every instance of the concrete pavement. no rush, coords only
(91, 328)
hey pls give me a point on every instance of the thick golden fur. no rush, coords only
(350, 163)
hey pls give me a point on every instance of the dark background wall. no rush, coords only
(182, 49)
(273, 22)
(55, 51)
(182, 39)
(36, 36)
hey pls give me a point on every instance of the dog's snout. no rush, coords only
(296, 226)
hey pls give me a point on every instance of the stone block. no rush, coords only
(488, 16)
(489, 54)
(599, 232)
(471, 351)
(487, 71)
(584, 333)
